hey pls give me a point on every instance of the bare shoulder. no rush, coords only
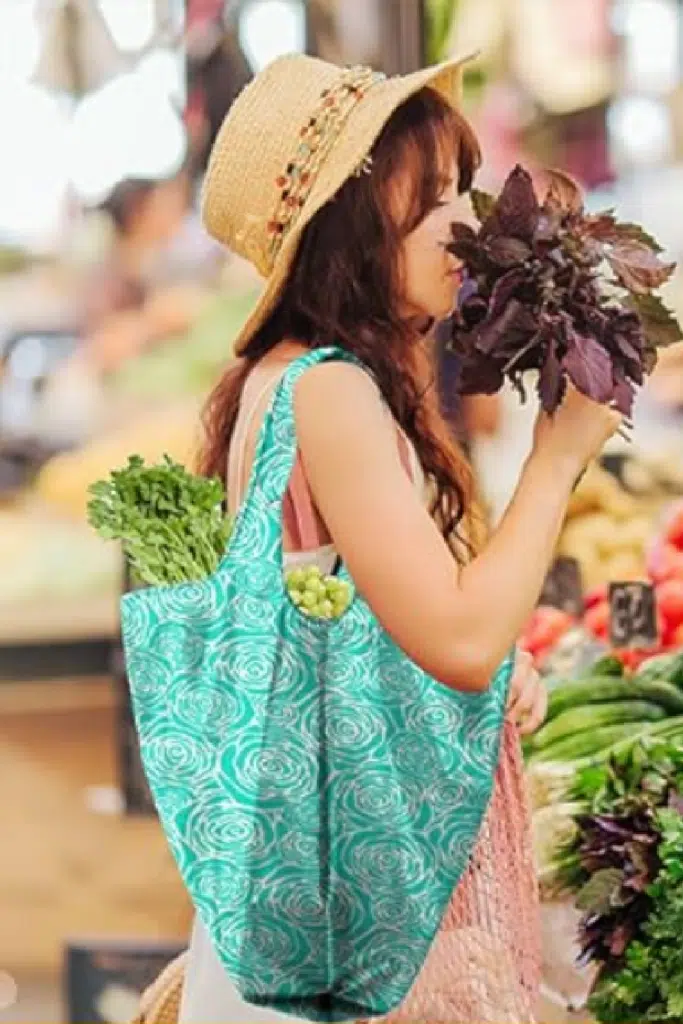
(338, 393)
(338, 376)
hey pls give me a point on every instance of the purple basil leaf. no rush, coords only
(516, 212)
(473, 311)
(552, 382)
(505, 332)
(638, 268)
(564, 195)
(480, 377)
(589, 367)
(506, 252)
(465, 244)
(504, 289)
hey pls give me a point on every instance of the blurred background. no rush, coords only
(117, 313)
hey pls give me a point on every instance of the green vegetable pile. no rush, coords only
(174, 529)
(589, 716)
(625, 866)
(599, 715)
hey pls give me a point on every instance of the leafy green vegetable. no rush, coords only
(616, 865)
(171, 524)
(649, 987)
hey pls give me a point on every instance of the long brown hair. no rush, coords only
(343, 290)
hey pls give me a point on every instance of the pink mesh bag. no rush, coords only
(484, 965)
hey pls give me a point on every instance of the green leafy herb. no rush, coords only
(615, 856)
(649, 986)
(171, 524)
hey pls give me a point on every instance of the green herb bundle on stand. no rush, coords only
(625, 866)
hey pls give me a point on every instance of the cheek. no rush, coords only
(424, 249)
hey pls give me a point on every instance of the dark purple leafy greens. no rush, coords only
(554, 289)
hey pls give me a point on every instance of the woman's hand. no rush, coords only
(576, 432)
(528, 698)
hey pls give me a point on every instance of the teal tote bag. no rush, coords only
(320, 793)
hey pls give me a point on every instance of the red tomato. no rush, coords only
(664, 562)
(673, 531)
(670, 603)
(633, 657)
(596, 620)
(676, 638)
(546, 627)
(596, 596)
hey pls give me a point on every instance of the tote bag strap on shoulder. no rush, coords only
(276, 453)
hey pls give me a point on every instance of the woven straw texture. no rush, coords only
(160, 1004)
(259, 139)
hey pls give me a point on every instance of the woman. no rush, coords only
(341, 187)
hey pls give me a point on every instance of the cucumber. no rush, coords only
(668, 667)
(666, 732)
(661, 666)
(588, 744)
(592, 717)
(606, 689)
(607, 666)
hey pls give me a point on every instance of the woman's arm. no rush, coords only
(456, 624)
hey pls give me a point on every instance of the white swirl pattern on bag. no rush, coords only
(320, 793)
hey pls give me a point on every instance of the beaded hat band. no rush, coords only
(295, 134)
(317, 139)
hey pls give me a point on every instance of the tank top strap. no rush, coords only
(298, 513)
(238, 447)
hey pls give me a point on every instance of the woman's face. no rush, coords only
(431, 276)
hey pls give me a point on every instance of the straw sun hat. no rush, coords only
(291, 139)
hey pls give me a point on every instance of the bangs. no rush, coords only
(429, 138)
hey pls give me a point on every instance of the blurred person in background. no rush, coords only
(149, 287)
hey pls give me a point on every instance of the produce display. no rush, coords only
(173, 528)
(64, 481)
(661, 558)
(612, 517)
(187, 363)
(553, 289)
(47, 561)
(606, 530)
(588, 716)
(623, 864)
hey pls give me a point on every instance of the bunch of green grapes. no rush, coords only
(316, 595)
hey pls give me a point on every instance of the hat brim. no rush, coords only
(355, 141)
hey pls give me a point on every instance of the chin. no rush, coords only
(445, 309)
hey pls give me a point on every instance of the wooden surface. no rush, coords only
(64, 869)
